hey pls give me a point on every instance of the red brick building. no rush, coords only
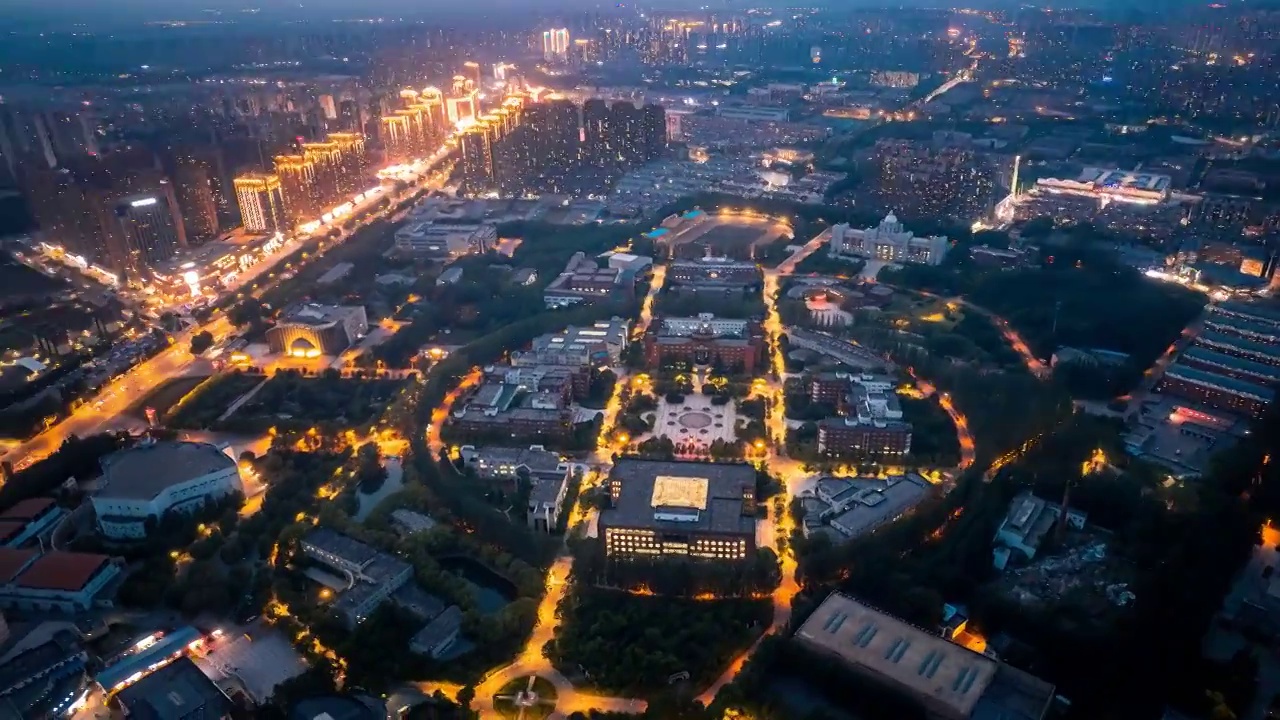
(844, 437)
(742, 354)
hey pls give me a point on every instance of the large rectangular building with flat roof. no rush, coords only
(948, 681)
(704, 510)
(1216, 390)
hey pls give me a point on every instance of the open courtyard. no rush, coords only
(695, 422)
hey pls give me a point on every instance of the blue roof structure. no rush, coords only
(173, 642)
(1259, 311)
(1248, 347)
(693, 214)
(1243, 324)
(1271, 373)
(656, 233)
(1230, 384)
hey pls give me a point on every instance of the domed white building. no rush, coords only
(890, 242)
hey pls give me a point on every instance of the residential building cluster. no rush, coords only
(541, 146)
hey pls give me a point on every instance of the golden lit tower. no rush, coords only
(471, 70)
(408, 96)
(415, 123)
(261, 200)
(459, 84)
(297, 180)
(354, 164)
(395, 137)
(326, 163)
(432, 102)
(555, 44)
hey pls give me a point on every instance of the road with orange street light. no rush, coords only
(775, 530)
(1033, 364)
(102, 412)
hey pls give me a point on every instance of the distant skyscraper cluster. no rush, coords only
(120, 210)
(555, 45)
(527, 147)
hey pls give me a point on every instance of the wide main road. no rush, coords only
(173, 362)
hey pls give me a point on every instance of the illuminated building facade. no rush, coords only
(461, 107)
(707, 340)
(1216, 390)
(261, 200)
(555, 44)
(315, 330)
(851, 437)
(298, 182)
(889, 242)
(148, 231)
(680, 509)
(326, 163)
(352, 162)
(149, 480)
(396, 137)
(471, 70)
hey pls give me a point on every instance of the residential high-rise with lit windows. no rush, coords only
(471, 70)
(261, 200)
(194, 185)
(326, 163)
(150, 231)
(352, 161)
(555, 44)
(396, 137)
(297, 180)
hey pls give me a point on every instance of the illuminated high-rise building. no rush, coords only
(261, 200)
(326, 164)
(471, 70)
(432, 102)
(555, 44)
(416, 129)
(353, 163)
(500, 71)
(297, 180)
(329, 106)
(149, 230)
(408, 96)
(395, 136)
(462, 107)
(87, 209)
(195, 182)
(349, 116)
